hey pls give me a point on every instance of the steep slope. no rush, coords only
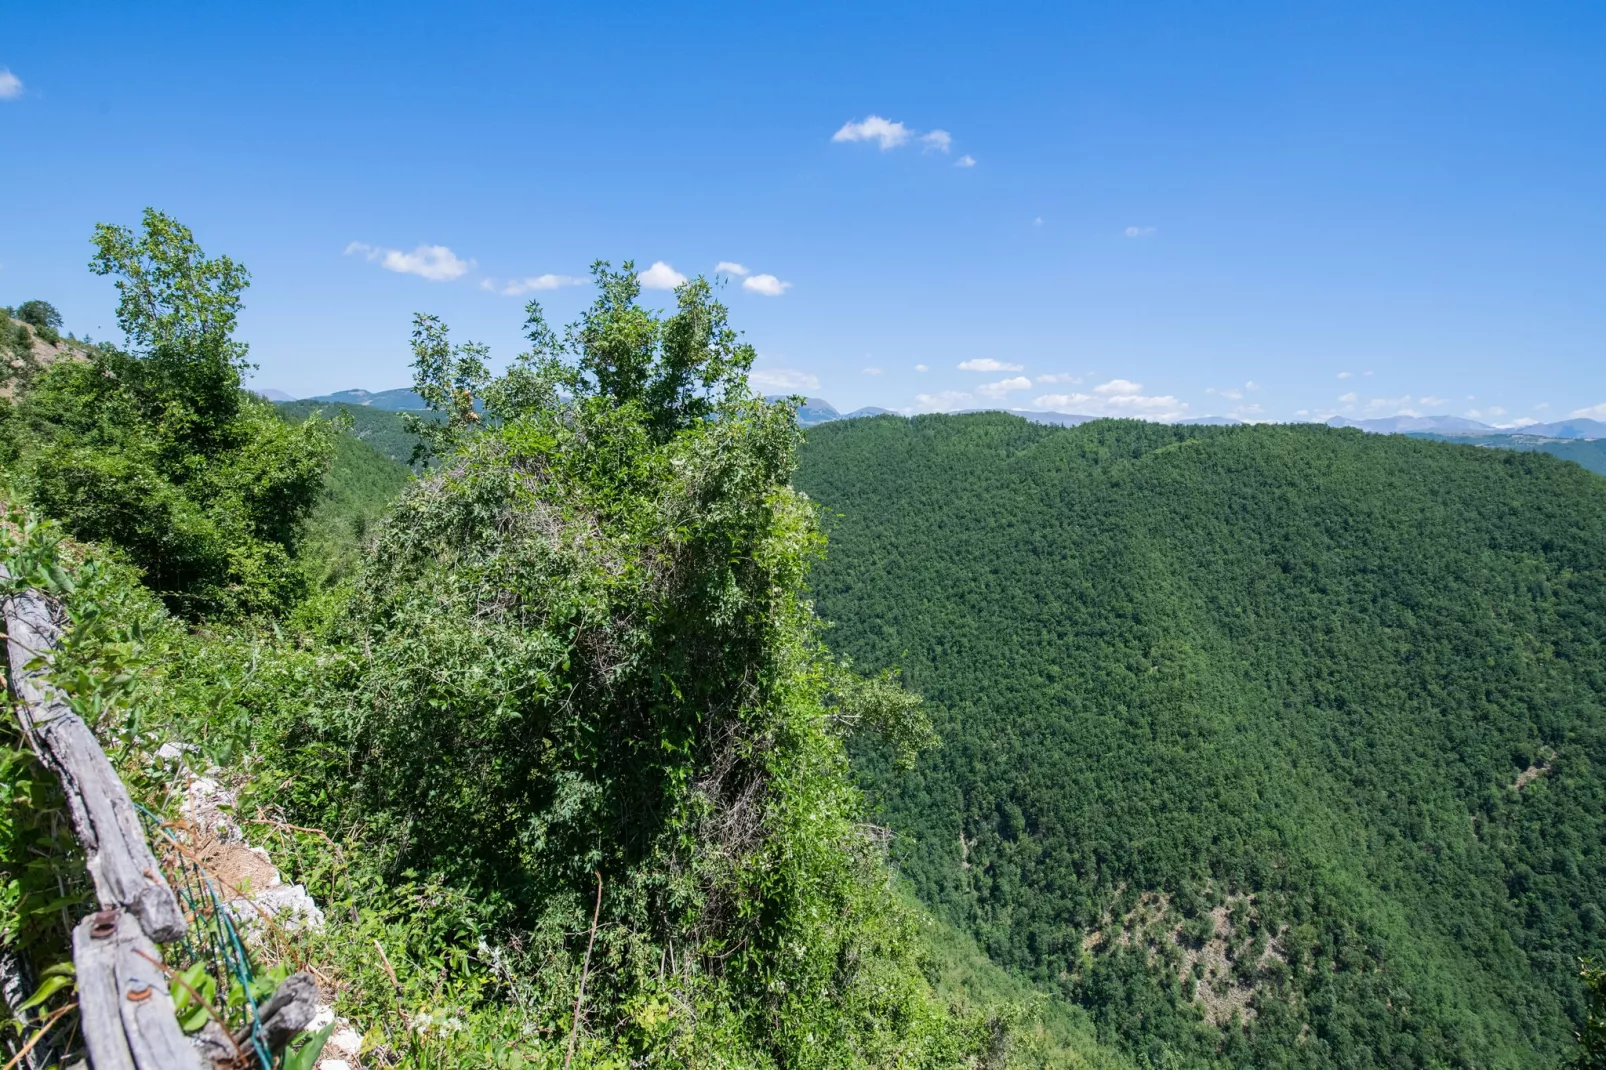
(1268, 745)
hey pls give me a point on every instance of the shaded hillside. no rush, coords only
(1267, 744)
(381, 429)
(1590, 453)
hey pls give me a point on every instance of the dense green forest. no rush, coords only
(1266, 745)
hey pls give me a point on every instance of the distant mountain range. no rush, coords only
(815, 411)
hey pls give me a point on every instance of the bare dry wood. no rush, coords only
(125, 1010)
(128, 1019)
(120, 861)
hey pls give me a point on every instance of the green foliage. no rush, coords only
(382, 430)
(1319, 711)
(158, 451)
(579, 653)
(1592, 1035)
(40, 315)
(361, 485)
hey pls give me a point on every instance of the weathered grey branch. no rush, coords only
(127, 1014)
(124, 1007)
(120, 861)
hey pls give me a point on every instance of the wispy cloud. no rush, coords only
(660, 277)
(1346, 375)
(1118, 397)
(1590, 412)
(731, 267)
(532, 284)
(945, 401)
(10, 85)
(891, 135)
(870, 371)
(885, 132)
(988, 364)
(1401, 405)
(921, 368)
(967, 160)
(1060, 377)
(768, 285)
(1004, 386)
(783, 380)
(1433, 402)
(1139, 232)
(1350, 398)
(1228, 392)
(434, 262)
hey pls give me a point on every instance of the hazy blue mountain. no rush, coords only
(1575, 428)
(401, 399)
(1212, 421)
(1401, 425)
(868, 410)
(270, 394)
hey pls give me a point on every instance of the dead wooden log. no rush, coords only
(120, 861)
(124, 1008)
(126, 1011)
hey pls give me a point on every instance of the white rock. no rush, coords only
(347, 1041)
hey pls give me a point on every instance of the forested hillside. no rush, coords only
(1269, 745)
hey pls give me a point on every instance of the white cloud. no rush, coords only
(1037, 222)
(731, 267)
(783, 380)
(1474, 414)
(870, 371)
(888, 134)
(967, 160)
(1591, 412)
(768, 285)
(988, 364)
(1400, 403)
(660, 277)
(941, 140)
(1495, 410)
(434, 262)
(1433, 401)
(1251, 385)
(1346, 375)
(1118, 386)
(1542, 406)
(517, 287)
(921, 368)
(1132, 405)
(1004, 386)
(10, 85)
(1522, 421)
(1060, 377)
(946, 401)
(1349, 399)
(1230, 393)
(1139, 232)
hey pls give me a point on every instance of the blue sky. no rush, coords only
(1279, 211)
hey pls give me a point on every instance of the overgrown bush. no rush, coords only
(157, 451)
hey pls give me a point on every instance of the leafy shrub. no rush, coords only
(580, 667)
(158, 451)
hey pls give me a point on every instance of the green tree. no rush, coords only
(586, 657)
(39, 314)
(156, 450)
(1592, 1036)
